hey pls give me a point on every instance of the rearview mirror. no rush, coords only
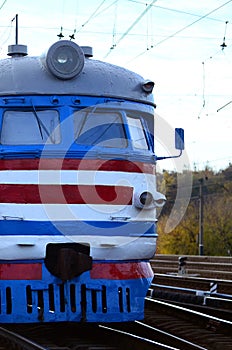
(179, 138)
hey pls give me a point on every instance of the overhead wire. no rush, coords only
(8, 28)
(95, 13)
(177, 11)
(182, 29)
(8, 31)
(149, 36)
(92, 15)
(203, 89)
(115, 24)
(3, 4)
(148, 7)
(223, 46)
(106, 8)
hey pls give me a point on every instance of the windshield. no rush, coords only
(92, 127)
(30, 127)
(99, 128)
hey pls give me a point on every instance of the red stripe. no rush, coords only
(66, 194)
(77, 164)
(118, 271)
(121, 271)
(21, 271)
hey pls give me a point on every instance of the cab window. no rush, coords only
(101, 128)
(30, 127)
(136, 129)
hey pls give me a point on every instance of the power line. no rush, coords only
(132, 26)
(7, 32)
(203, 89)
(184, 28)
(95, 13)
(115, 23)
(3, 4)
(92, 15)
(177, 11)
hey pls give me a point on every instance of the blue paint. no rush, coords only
(59, 228)
(82, 299)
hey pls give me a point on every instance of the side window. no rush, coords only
(138, 136)
(103, 129)
(30, 127)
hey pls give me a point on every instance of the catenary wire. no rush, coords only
(148, 7)
(182, 29)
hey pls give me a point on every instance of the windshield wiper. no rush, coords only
(40, 124)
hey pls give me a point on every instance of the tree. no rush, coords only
(217, 220)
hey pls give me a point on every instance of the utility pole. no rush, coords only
(201, 218)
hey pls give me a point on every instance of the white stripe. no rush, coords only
(70, 212)
(34, 247)
(73, 177)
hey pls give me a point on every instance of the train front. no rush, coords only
(78, 189)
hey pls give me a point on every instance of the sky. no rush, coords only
(185, 47)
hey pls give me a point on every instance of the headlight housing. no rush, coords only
(146, 198)
(65, 59)
(149, 200)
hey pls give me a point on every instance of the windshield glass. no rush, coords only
(136, 129)
(30, 127)
(101, 128)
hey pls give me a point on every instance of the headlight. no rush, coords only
(65, 59)
(149, 200)
(146, 198)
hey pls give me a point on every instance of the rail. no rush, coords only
(193, 313)
(199, 328)
(198, 266)
(17, 341)
(197, 292)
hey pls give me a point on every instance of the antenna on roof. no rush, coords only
(16, 50)
(16, 28)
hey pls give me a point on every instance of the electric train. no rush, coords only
(78, 193)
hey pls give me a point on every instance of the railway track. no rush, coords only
(198, 328)
(12, 340)
(185, 315)
(166, 326)
(210, 285)
(214, 306)
(83, 337)
(171, 326)
(195, 266)
(173, 271)
(57, 336)
(197, 286)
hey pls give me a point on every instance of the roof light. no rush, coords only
(65, 59)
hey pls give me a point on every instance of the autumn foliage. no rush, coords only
(217, 214)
